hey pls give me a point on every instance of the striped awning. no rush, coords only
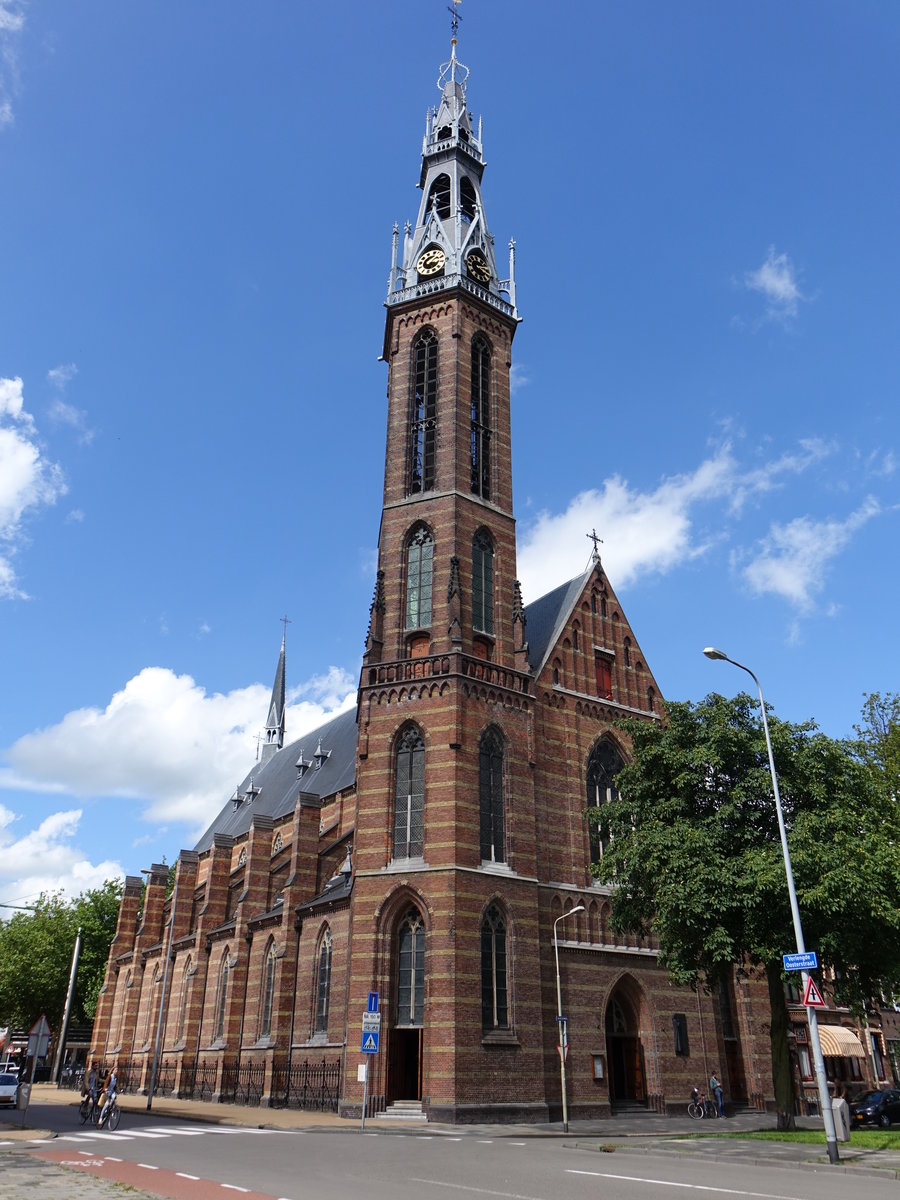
(839, 1042)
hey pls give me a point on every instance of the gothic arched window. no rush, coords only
(267, 998)
(182, 1016)
(411, 970)
(603, 765)
(323, 984)
(480, 434)
(483, 583)
(494, 1007)
(221, 996)
(423, 410)
(419, 562)
(467, 198)
(439, 196)
(409, 795)
(490, 791)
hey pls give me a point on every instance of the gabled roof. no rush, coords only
(546, 618)
(272, 787)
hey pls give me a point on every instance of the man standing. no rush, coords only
(716, 1088)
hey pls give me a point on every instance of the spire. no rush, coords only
(275, 720)
(450, 245)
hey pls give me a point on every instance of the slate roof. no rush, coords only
(279, 782)
(546, 617)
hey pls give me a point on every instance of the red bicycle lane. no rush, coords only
(159, 1181)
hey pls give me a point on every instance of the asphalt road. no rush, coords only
(183, 1159)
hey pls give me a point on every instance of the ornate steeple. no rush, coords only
(451, 244)
(275, 720)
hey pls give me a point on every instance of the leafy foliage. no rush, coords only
(695, 852)
(878, 744)
(36, 953)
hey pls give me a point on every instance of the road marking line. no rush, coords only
(89, 1153)
(184, 1175)
(141, 1133)
(697, 1187)
(518, 1143)
(485, 1141)
(110, 1158)
(233, 1187)
(462, 1187)
(165, 1131)
(148, 1167)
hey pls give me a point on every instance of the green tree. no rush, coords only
(878, 740)
(695, 856)
(36, 956)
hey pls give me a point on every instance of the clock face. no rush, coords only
(476, 265)
(431, 261)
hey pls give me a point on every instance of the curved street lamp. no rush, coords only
(560, 1019)
(821, 1078)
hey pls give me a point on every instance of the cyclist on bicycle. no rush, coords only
(109, 1091)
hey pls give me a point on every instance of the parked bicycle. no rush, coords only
(699, 1106)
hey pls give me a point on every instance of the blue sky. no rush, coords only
(196, 205)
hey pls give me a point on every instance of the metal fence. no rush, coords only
(198, 1080)
(306, 1085)
(242, 1083)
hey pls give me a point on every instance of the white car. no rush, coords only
(9, 1087)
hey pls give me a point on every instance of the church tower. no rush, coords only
(445, 840)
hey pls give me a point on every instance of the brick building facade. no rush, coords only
(427, 846)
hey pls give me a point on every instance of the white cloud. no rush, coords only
(642, 532)
(63, 413)
(792, 559)
(165, 743)
(518, 377)
(46, 858)
(61, 375)
(28, 482)
(12, 22)
(681, 519)
(776, 280)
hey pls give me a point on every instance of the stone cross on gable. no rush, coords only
(592, 536)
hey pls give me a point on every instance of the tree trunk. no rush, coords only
(781, 1058)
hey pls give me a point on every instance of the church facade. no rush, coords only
(431, 846)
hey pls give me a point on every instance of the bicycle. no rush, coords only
(113, 1114)
(88, 1110)
(699, 1107)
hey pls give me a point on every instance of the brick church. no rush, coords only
(429, 844)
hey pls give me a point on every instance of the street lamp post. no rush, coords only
(560, 1019)
(821, 1079)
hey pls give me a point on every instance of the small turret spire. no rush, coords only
(275, 720)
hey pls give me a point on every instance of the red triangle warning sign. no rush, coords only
(812, 997)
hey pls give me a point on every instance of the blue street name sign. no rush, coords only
(372, 1005)
(369, 1042)
(800, 962)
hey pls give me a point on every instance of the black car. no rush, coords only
(876, 1108)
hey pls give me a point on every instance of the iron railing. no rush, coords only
(307, 1085)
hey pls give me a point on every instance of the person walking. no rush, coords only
(716, 1088)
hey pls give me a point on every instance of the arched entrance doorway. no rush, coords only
(624, 1052)
(404, 1080)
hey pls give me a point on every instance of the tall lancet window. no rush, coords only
(604, 764)
(480, 449)
(323, 987)
(439, 196)
(483, 583)
(467, 199)
(494, 1009)
(409, 795)
(423, 413)
(419, 562)
(490, 791)
(411, 970)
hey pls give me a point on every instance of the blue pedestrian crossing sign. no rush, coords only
(370, 1041)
